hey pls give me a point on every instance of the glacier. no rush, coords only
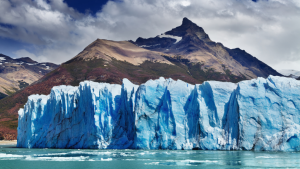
(259, 114)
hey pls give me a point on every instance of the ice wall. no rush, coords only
(259, 114)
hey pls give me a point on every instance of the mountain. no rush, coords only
(290, 73)
(184, 53)
(190, 43)
(258, 114)
(16, 74)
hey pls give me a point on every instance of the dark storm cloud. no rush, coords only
(268, 30)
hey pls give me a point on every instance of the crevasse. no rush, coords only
(258, 114)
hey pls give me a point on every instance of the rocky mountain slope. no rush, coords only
(16, 74)
(184, 53)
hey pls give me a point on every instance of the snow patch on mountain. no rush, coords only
(178, 38)
(149, 46)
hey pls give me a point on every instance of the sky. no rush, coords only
(57, 30)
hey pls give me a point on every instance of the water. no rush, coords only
(11, 157)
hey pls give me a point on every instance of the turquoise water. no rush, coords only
(11, 158)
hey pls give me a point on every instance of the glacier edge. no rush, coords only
(258, 114)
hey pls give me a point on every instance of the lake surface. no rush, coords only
(11, 157)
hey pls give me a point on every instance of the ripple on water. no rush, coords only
(150, 158)
(182, 162)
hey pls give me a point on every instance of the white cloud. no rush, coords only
(269, 30)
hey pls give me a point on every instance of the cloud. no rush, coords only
(267, 29)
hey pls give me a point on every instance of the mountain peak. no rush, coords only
(187, 22)
(26, 59)
(187, 34)
(189, 28)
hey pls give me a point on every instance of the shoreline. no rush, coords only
(8, 142)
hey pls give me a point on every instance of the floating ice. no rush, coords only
(259, 114)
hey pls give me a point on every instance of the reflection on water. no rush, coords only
(60, 158)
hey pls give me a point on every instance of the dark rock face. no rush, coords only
(2, 95)
(258, 67)
(189, 28)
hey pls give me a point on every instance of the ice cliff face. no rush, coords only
(260, 114)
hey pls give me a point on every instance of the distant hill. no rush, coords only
(16, 74)
(186, 52)
(290, 73)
